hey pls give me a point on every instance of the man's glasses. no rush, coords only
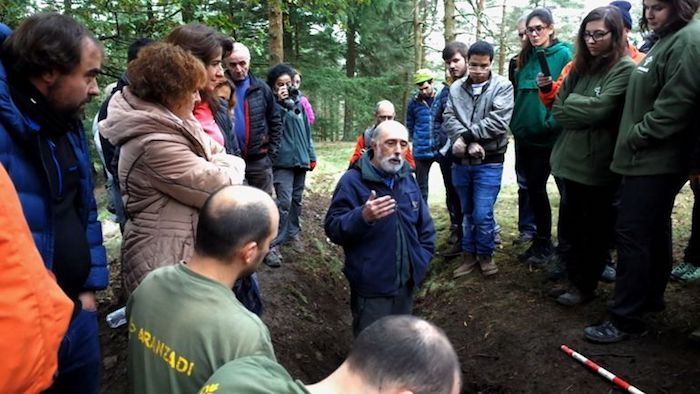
(475, 67)
(595, 36)
(535, 29)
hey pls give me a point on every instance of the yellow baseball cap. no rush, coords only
(422, 75)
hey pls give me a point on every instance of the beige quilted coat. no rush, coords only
(167, 169)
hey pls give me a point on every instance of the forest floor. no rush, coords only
(505, 329)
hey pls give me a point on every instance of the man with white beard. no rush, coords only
(384, 226)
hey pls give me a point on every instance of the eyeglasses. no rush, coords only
(535, 29)
(475, 67)
(595, 36)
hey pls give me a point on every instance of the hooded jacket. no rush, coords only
(531, 124)
(482, 119)
(168, 167)
(379, 256)
(20, 137)
(420, 126)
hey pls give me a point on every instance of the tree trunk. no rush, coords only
(479, 18)
(417, 35)
(67, 7)
(275, 33)
(502, 44)
(188, 11)
(449, 21)
(350, 69)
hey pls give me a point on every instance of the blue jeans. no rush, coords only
(289, 189)
(79, 360)
(478, 187)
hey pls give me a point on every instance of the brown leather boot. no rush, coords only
(488, 267)
(468, 265)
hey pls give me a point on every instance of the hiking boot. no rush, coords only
(523, 238)
(685, 272)
(297, 244)
(575, 297)
(273, 258)
(454, 251)
(488, 267)
(608, 333)
(468, 265)
(609, 274)
(555, 268)
(539, 252)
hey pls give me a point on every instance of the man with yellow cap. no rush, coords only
(419, 124)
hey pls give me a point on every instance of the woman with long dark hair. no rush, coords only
(212, 112)
(534, 135)
(658, 131)
(588, 107)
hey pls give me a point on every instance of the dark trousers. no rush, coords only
(692, 251)
(644, 251)
(533, 163)
(289, 189)
(79, 361)
(526, 218)
(258, 173)
(451, 196)
(367, 310)
(586, 220)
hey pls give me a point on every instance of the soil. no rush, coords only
(505, 329)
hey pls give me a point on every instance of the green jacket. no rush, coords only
(588, 108)
(659, 125)
(252, 375)
(531, 124)
(296, 148)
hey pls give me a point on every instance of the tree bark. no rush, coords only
(449, 21)
(350, 69)
(417, 35)
(67, 7)
(188, 11)
(479, 16)
(502, 44)
(275, 32)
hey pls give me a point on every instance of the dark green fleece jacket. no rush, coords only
(530, 122)
(659, 125)
(588, 108)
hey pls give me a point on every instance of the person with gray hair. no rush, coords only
(379, 217)
(383, 110)
(396, 354)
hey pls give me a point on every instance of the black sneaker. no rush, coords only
(524, 238)
(540, 254)
(607, 333)
(575, 297)
(454, 251)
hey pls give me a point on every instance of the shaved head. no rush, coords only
(232, 217)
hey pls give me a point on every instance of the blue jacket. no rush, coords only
(19, 137)
(374, 258)
(420, 127)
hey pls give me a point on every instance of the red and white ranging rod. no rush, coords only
(600, 370)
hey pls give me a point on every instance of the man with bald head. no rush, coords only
(258, 123)
(394, 355)
(184, 320)
(378, 216)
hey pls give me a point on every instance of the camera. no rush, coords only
(290, 102)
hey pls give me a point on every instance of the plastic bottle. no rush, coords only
(117, 318)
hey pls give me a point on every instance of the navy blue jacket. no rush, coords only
(420, 127)
(19, 137)
(372, 251)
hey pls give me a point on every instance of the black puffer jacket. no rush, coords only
(263, 122)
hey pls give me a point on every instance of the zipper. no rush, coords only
(52, 148)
